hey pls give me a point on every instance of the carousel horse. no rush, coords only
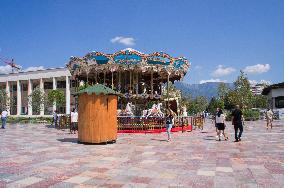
(183, 111)
(128, 110)
(155, 111)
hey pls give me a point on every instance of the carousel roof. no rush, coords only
(128, 59)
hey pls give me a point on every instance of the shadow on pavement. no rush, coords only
(49, 126)
(161, 140)
(209, 137)
(73, 140)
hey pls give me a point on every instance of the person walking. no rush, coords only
(269, 118)
(220, 122)
(4, 116)
(74, 121)
(54, 119)
(169, 123)
(237, 117)
(214, 121)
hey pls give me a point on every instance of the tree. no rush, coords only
(196, 105)
(228, 104)
(260, 101)
(201, 103)
(37, 100)
(214, 104)
(56, 97)
(223, 90)
(242, 94)
(4, 99)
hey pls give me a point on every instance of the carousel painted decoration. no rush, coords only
(137, 76)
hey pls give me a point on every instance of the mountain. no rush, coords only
(209, 89)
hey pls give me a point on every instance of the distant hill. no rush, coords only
(209, 89)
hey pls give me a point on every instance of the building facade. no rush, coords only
(19, 86)
(256, 89)
(275, 95)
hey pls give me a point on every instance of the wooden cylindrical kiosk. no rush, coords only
(97, 115)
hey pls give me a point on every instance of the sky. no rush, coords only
(219, 37)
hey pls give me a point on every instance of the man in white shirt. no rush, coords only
(74, 121)
(4, 116)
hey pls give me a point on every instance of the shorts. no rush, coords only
(221, 126)
(74, 126)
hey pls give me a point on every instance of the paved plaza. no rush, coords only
(38, 156)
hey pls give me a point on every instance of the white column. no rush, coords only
(67, 95)
(54, 88)
(8, 97)
(30, 89)
(19, 98)
(41, 86)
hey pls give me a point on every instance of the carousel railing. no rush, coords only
(63, 121)
(198, 122)
(140, 123)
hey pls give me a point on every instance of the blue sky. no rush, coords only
(219, 37)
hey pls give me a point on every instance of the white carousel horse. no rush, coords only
(129, 107)
(128, 110)
(155, 111)
(184, 112)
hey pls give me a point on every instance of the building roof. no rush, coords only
(266, 90)
(45, 73)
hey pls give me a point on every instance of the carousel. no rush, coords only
(141, 79)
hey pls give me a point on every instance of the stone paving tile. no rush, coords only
(224, 169)
(25, 182)
(205, 173)
(45, 157)
(77, 179)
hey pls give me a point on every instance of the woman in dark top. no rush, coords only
(169, 123)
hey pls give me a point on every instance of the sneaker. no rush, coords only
(226, 138)
(240, 139)
(219, 139)
(236, 141)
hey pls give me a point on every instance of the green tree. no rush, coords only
(260, 101)
(242, 94)
(196, 105)
(214, 104)
(228, 104)
(201, 103)
(223, 90)
(4, 99)
(37, 100)
(56, 97)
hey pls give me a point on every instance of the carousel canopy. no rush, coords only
(128, 59)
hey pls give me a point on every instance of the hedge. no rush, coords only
(28, 119)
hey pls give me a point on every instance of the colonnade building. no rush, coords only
(20, 85)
